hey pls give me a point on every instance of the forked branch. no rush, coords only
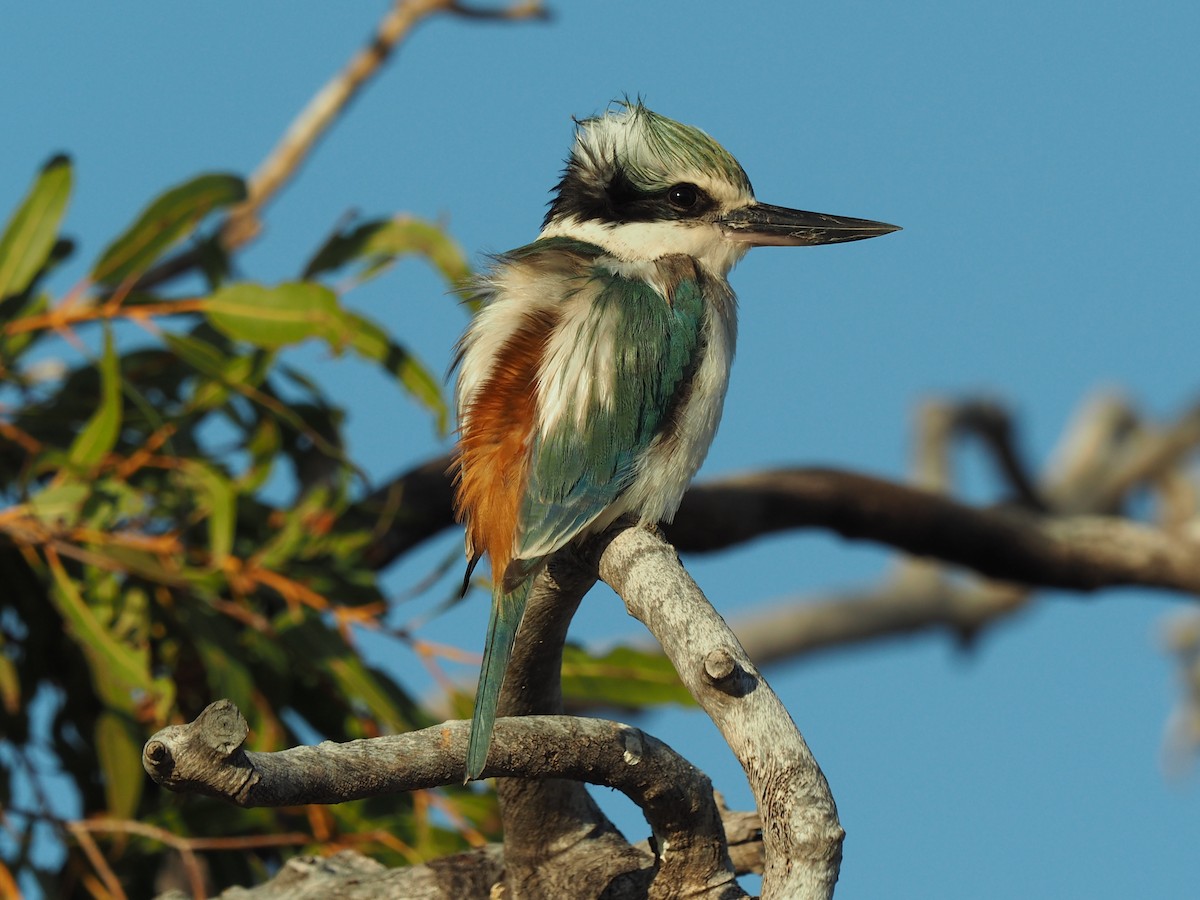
(802, 837)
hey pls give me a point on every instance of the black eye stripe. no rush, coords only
(628, 203)
(620, 200)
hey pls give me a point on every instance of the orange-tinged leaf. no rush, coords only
(10, 689)
(8, 884)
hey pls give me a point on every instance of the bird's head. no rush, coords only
(643, 186)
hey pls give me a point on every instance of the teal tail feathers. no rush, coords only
(507, 609)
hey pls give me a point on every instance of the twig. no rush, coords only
(59, 318)
(993, 425)
(318, 116)
(532, 9)
(797, 627)
(111, 883)
(184, 846)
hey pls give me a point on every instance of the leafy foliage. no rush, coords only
(150, 566)
(623, 678)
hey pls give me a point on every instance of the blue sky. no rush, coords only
(1042, 158)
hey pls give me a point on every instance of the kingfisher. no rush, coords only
(592, 378)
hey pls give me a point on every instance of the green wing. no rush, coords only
(578, 470)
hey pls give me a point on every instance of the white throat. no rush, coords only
(635, 242)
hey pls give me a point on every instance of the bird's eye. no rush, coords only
(683, 196)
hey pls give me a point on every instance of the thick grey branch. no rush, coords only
(802, 837)
(553, 829)
(1083, 553)
(349, 875)
(1077, 552)
(206, 756)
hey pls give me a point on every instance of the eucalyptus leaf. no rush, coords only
(99, 435)
(273, 317)
(119, 748)
(30, 234)
(168, 219)
(624, 677)
(215, 498)
(106, 654)
(377, 244)
(370, 341)
(61, 503)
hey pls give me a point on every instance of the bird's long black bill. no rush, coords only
(764, 225)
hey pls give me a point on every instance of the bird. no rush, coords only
(592, 378)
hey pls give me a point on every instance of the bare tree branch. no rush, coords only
(901, 607)
(802, 837)
(1093, 470)
(332, 100)
(206, 756)
(552, 826)
(1077, 552)
(541, 761)
(1102, 460)
(1082, 553)
(1109, 450)
(280, 166)
(1181, 638)
(938, 423)
(349, 875)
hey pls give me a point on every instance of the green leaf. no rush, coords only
(104, 651)
(14, 308)
(263, 445)
(623, 677)
(372, 342)
(167, 220)
(31, 232)
(367, 687)
(378, 244)
(293, 534)
(60, 504)
(224, 371)
(119, 750)
(197, 353)
(148, 565)
(99, 435)
(216, 498)
(217, 641)
(111, 501)
(275, 317)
